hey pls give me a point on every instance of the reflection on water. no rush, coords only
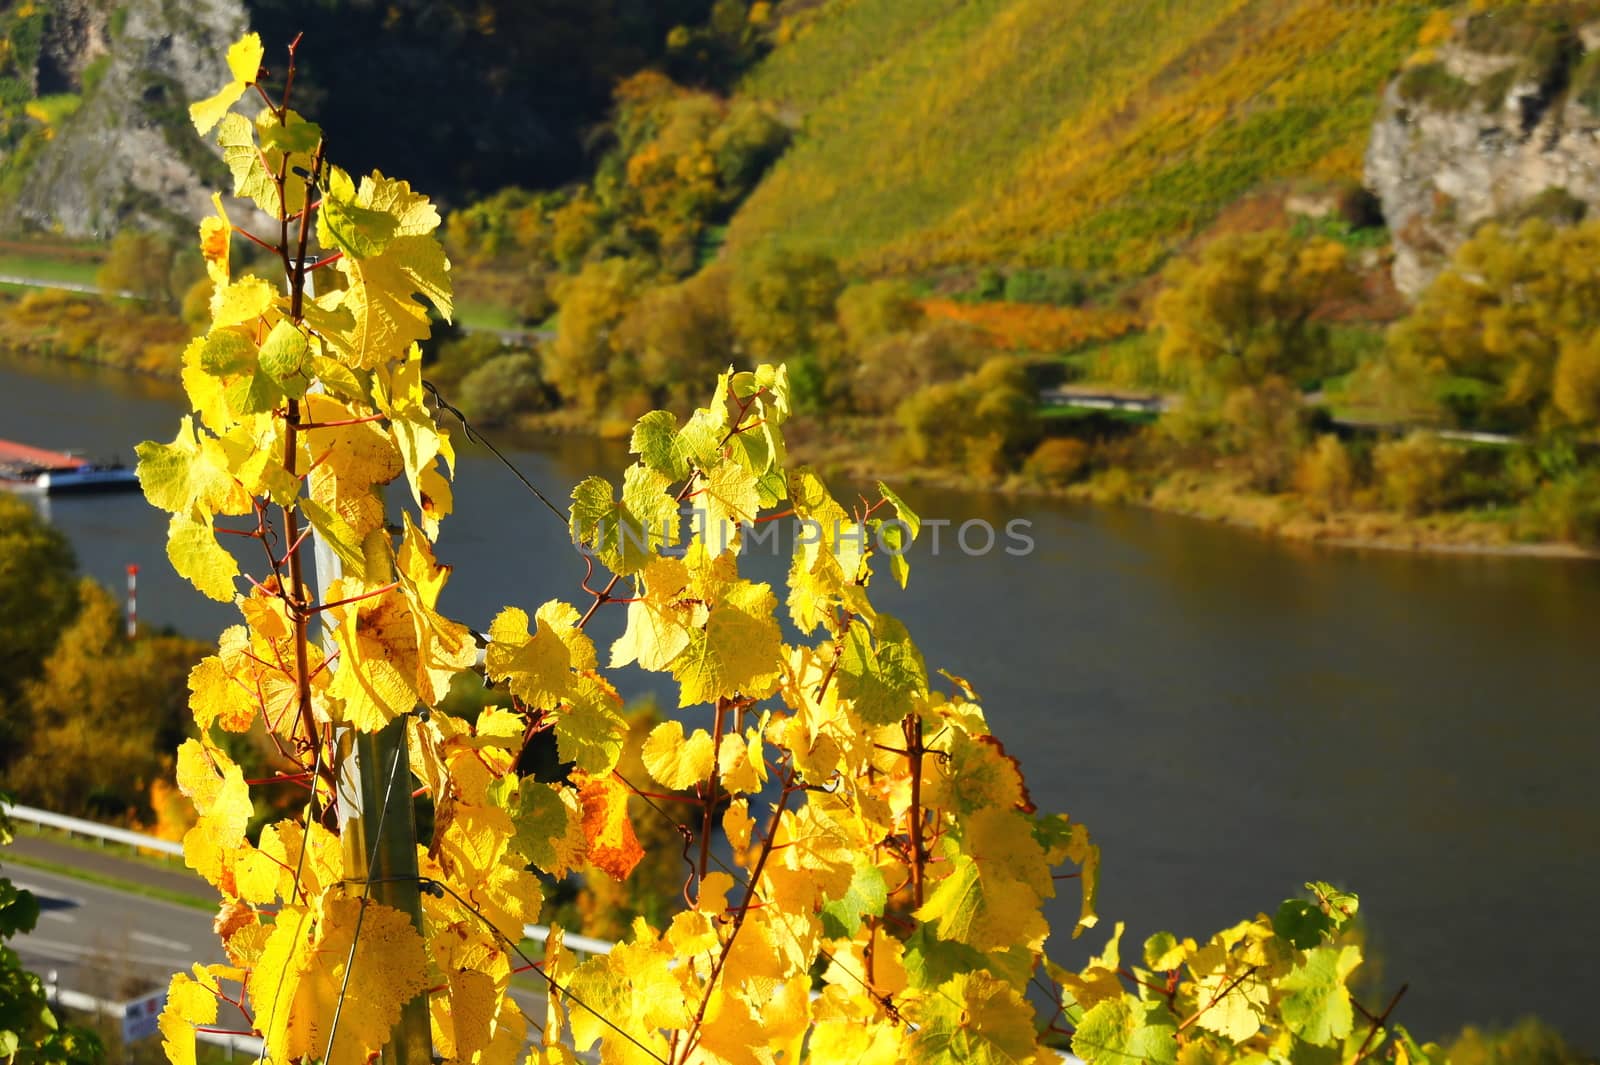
(1230, 715)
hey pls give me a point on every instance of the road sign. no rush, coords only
(139, 1016)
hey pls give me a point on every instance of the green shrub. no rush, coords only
(1040, 286)
(1432, 85)
(501, 387)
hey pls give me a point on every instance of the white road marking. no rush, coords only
(156, 941)
(31, 943)
(54, 915)
(46, 893)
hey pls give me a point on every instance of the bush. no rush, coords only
(1325, 475)
(1246, 309)
(143, 266)
(1566, 507)
(678, 336)
(990, 285)
(1058, 460)
(1265, 426)
(902, 364)
(581, 362)
(1414, 473)
(1529, 1042)
(501, 387)
(869, 312)
(981, 424)
(1038, 286)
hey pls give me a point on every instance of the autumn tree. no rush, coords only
(902, 364)
(677, 334)
(585, 361)
(1509, 328)
(1325, 474)
(66, 758)
(870, 311)
(783, 305)
(1414, 472)
(982, 423)
(145, 266)
(38, 596)
(502, 386)
(1245, 309)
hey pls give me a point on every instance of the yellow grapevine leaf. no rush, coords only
(193, 550)
(476, 972)
(297, 984)
(613, 846)
(444, 647)
(244, 58)
(677, 763)
(973, 1019)
(216, 787)
(216, 241)
(538, 665)
(321, 868)
(241, 303)
(738, 824)
(658, 620)
(244, 61)
(737, 651)
(421, 441)
(625, 536)
(589, 729)
(986, 913)
(727, 499)
(881, 673)
(386, 318)
(377, 676)
(191, 471)
(189, 1003)
(549, 826)
(739, 762)
(215, 698)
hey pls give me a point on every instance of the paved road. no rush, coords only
(114, 944)
(1092, 397)
(108, 943)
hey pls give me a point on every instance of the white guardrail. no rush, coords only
(74, 1000)
(77, 826)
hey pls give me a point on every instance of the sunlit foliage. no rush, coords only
(1070, 134)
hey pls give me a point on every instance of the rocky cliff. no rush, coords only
(127, 156)
(1497, 118)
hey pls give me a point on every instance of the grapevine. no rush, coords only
(865, 873)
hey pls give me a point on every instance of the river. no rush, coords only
(1231, 715)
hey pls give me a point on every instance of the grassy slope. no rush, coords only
(1066, 133)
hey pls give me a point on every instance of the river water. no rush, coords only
(1231, 715)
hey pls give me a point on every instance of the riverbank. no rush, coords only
(865, 449)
